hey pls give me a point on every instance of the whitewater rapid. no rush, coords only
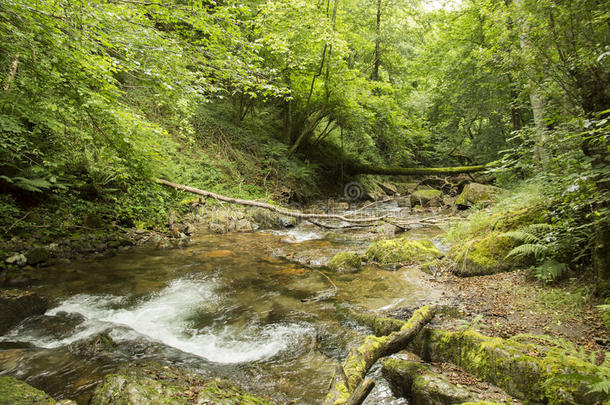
(167, 317)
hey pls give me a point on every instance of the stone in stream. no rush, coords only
(16, 305)
(152, 383)
(534, 369)
(403, 250)
(475, 194)
(345, 262)
(16, 392)
(427, 198)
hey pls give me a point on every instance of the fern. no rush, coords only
(529, 249)
(603, 386)
(549, 270)
(522, 236)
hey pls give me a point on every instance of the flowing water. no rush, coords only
(228, 305)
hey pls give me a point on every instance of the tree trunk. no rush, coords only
(348, 379)
(375, 74)
(409, 171)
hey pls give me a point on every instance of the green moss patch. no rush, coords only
(529, 368)
(402, 250)
(345, 262)
(476, 194)
(156, 384)
(427, 198)
(483, 255)
(14, 392)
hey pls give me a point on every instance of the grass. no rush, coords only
(480, 220)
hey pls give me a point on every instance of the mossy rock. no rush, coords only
(16, 305)
(515, 219)
(422, 385)
(402, 250)
(427, 198)
(152, 383)
(483, 255)
(345, 262)
(16, 392)
(528, 368)
(476, 194)
(37, 255)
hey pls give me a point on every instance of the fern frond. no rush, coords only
(522, 236)
(529, 249)
(549, 270)
(602, 386)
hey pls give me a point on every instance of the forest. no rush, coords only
(216, 200)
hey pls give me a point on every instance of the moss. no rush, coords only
(529, 371)
(475, 193)
(514, 219)
(422, 384)
(483, 255)
(156, 384)
(426, 198)
(345, 262)
(402, 250)
(14, 391)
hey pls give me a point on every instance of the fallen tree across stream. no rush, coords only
(413, 171)
(354, 222)
(348, 385)
(279, 210)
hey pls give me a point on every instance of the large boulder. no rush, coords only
(526, 367)
(156, 384)
(477, 194)
(345, 262)
(16, 305)
(402, 250)
(16, 392)
(427, 198)
(483, 255)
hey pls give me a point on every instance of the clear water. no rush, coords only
(226, 305)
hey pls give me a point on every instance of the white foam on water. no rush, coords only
(164, 317)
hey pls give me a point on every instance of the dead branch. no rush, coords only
(281, 211)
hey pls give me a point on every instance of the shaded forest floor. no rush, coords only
(509, 304)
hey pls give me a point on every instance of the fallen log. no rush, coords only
(412, 171)
(349, 378)
(281, 211)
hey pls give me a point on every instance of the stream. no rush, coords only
(230, 306)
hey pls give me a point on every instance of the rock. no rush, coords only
(345, 262)
(16, 305)
(386, 230)
(266, 219)
(189, 229)
(37, 255)
(16, 259)
(388, 188)
(421, 384)
(475, 194)
(427, 198)
(244, 225)
(16, 392)
(403, 202)
(526, 368)
(156, 384)
(403, 250)
(484, 255)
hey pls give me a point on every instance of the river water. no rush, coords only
(230, 306)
